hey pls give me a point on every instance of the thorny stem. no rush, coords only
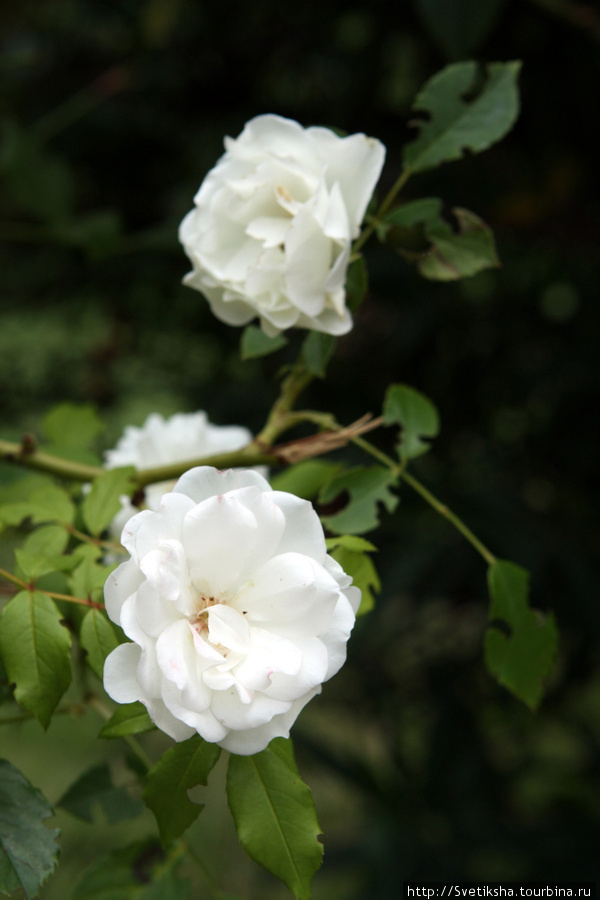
(45, 462)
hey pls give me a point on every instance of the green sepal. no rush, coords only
(35, 648)
(367, 486)
(416, 415)
(131, 718)
(94, 788)
(466, 112)
(28, 849)
(357, 283)
(255, 343)
(275, 816)
(182, 767)
(317, 350)
(523, 658)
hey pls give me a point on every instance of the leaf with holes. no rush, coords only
(458, 254)
(523, 658)
(416, 415)
(463, 114)
(179, 769)
(367, 487)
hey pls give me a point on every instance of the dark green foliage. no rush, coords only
(28, 849)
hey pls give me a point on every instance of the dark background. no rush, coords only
(113, 112)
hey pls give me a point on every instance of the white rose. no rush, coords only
(236, 611)
(273, 225)
(160, 442)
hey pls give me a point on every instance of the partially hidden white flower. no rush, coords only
(236, 612)
(273, 224)
(160, 442)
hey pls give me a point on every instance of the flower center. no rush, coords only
(198, 620)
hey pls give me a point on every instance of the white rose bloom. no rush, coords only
(160, 442)
(273, 224)
(236, 611)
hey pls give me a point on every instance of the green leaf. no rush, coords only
(416, 415)
(367, 487)
(179, 769)
(357, 283)
(275, 816)
(98, 637)
(72, 425)
(459, 27)
(256, 343)
(35, 648)
(48, 504)
(89, 577)
(317, 350)
(34, 565)
(131, 718)
(522, 659)
(42, 551)
(141, 871)
(414, 213)
(95, 788)
(350, 552)
(50, 540)
(103, 502)
(463, 114)
(28, 850)
(305, 478)
(458, 254)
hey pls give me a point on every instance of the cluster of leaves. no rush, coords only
(65, 556)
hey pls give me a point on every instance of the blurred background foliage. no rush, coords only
(422, 768)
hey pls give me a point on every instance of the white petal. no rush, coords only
(309, 256)
(205, 481)
(228, 537)
(228, 628)
(120, 585)
(355, 162)
(146, 530)
(167, 722)
(292, 594)
(252, 741)
(229, 710)
(120, 670)
(303, 530)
